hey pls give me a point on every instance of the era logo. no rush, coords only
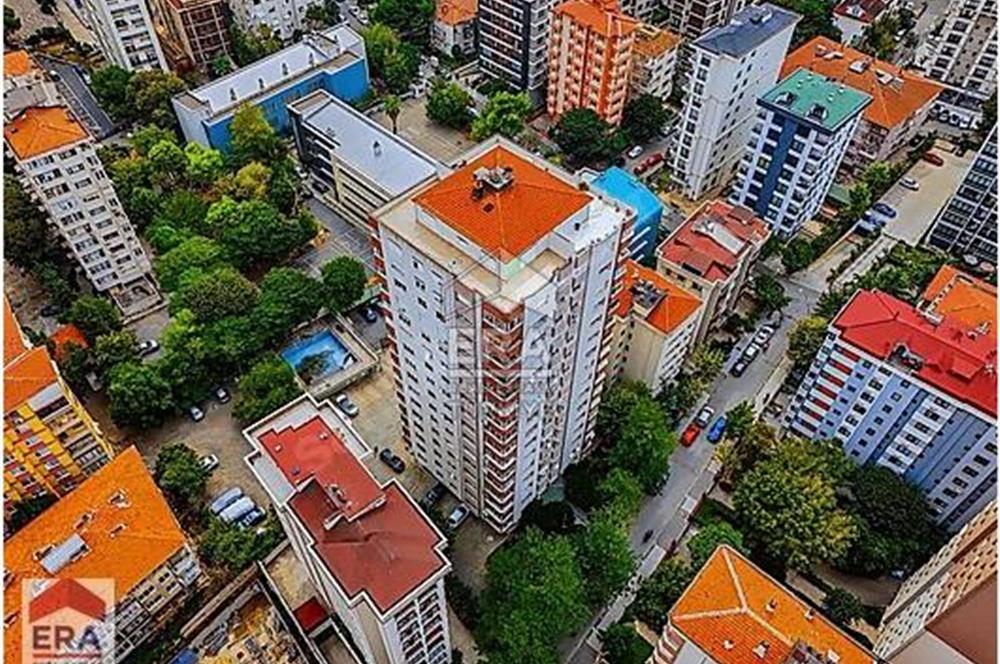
(67, 620)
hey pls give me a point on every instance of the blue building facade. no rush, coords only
(624, 188)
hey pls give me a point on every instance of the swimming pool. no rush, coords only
(331, 353)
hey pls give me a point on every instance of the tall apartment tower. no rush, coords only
(56, 160)
(946, 612)
(966, 53)
(194, 32)
(499, 284)
(804, 126)
(125, 33)
(590, 57)
(730, 67)
(693, 18)
(966, 227)
(514, 42)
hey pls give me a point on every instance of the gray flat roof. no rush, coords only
(747, 30)
(386, 159)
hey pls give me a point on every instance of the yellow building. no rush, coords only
(50, 442)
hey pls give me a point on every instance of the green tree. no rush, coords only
(114, 348)
(616, 405)
(380, 41)
(145, 138)
(182, 211)
(249, 182)
(769, 294)
(283, 187)
(221, 66)
(554, 517)
(605, 558)
(660, 592)
(817, 20)
(28, 239)
(859, 200)
(110, 85)
(234, 548)
(204, 165)
(843, 607)
(796, 255)
(392, 107)
(268, 385)
(706, 362)
(448, 104)
(401, 68)
(139, 396)
(95, 316)
(582, 135)
(287, 297)
(250, 46)
(193, 254)
(805, 339)
(148, 96)
(741, 454)
(253, 138)
(11, 23)
(74, 365)
(185, 363)
(180, 475)
(344, 281)
(644, 446)
(504, 114)
(739, 420)
(411, 19)
(621, 495)
(169, 164)
(643, 118)
(254, 232)
(623, 645)
(216, 294)
(709, 537)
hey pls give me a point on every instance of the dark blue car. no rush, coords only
(884, 209)
(714, 434)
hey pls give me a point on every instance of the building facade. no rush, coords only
(116, 525)
(901, 100)
(514, 42)
(966, 53)
(804, 125)
(454, 29)
(193, 33)
(125, 33)
(56, 161)
(590, 57)
(966, 227)
(730, 67)
(711, 255)
(693, 18)
(654, 62)
(373, 556)
(621, 186)
(853, 17)
(498, 284)
(946, 612)
(333, 60)
(356, 164)
(912, 391)
(284, 18)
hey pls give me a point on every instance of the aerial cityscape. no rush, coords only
(500, 331)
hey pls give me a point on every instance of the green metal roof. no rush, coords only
(816, 99)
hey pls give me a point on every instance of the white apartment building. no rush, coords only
(283, 17)
(356, 163)
(654, 62)
(56, 160)
(125, 33)
(693, 18)
(373, 556)
(912, 391)
(498, 289)
(730, 67)
(966, 52)
(804, 126)
(514, 41)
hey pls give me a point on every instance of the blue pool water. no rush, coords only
(324, 344)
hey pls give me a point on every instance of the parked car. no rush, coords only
(346, 406)
(50, 310)
(251, 518)
(433, 495)
(210, 462)
(764, 334)
(458, 516)
(690, 434)
(739, 367)
(389, 458)
(704, 416)
(148, 346)
(370, 313)
(196, 413)
(238, 509)
(751, 351)
(225, 499)
(887, 210)
(909, 183)
(933, 158)
(222, 395)
(635, 152)
(714, 434)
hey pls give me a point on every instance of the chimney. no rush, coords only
(760, 650)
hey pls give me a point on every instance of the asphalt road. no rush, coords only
(79, 97)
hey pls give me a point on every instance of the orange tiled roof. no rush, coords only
(17, 63)
(455, 12)
(504, 223)
(903, 94)
(26, 376)
(962, 297)
(674, 307)
(603, 17)
(37, 130)
(150, 537)
(726, 613)
(655, 41)
(13, 342)
(64, 335)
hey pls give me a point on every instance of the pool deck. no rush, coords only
(366, 359)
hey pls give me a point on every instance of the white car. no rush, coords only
(458, 516)
(763, 335)
(346, 406)
(635, 152)
(752, 351)
(704, 416)
(210, 462)
(196, 414)
(909, 183)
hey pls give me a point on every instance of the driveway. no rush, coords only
(343, 239)
(79, 97)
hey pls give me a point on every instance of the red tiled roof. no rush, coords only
(373, 539)
(37, 130)
(504, 223)
(673, 308)
(896, 94)
(732, 608)
(962, 297)
(17, 63)
(602, 17)
(955, 359)
(455, 12)
(26, 376)
(713, 239)
(866, 10)
(13, 342)
(64, 335)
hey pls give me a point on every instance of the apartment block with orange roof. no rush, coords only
(946, 611)
(657, 322)
(654, 62)
(56, 160)
(959, 296)
(51, 444)
(590, 57)
(499, 284)
(454, 28)
(376, 560)
(116, 525)
(734, 613)
(901, 99)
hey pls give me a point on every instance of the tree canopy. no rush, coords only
(344, 281)
(268, 385)
(94, 316)
(181, 476)
(643, 118)
(582, 135)
(448, 104)
(139, 396)
(709, 537)
(504, 114)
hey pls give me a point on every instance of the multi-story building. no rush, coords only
(51, 444)
(804, 125)
(901, 100)
(656, 326)
(590, 55)
(730, 67)
(25, 85)
(193, 33)
(956, 295)
(499, 284)
(454, 29)
(734, 613)
(56, 160)
(966, 227)
(946, 612)
(118, 526)
(711, 255)
(654, 62)
(966, 52)
(621, 186)
(283, 18)
(514, 42)
(333, 60)
(125, 33)
(853, 17)
(912, 391)
(356, 163)
(376, 560)
(693, 18)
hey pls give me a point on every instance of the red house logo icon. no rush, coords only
(67, 620)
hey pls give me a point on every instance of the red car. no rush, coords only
(690, 434)
(932, 158)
